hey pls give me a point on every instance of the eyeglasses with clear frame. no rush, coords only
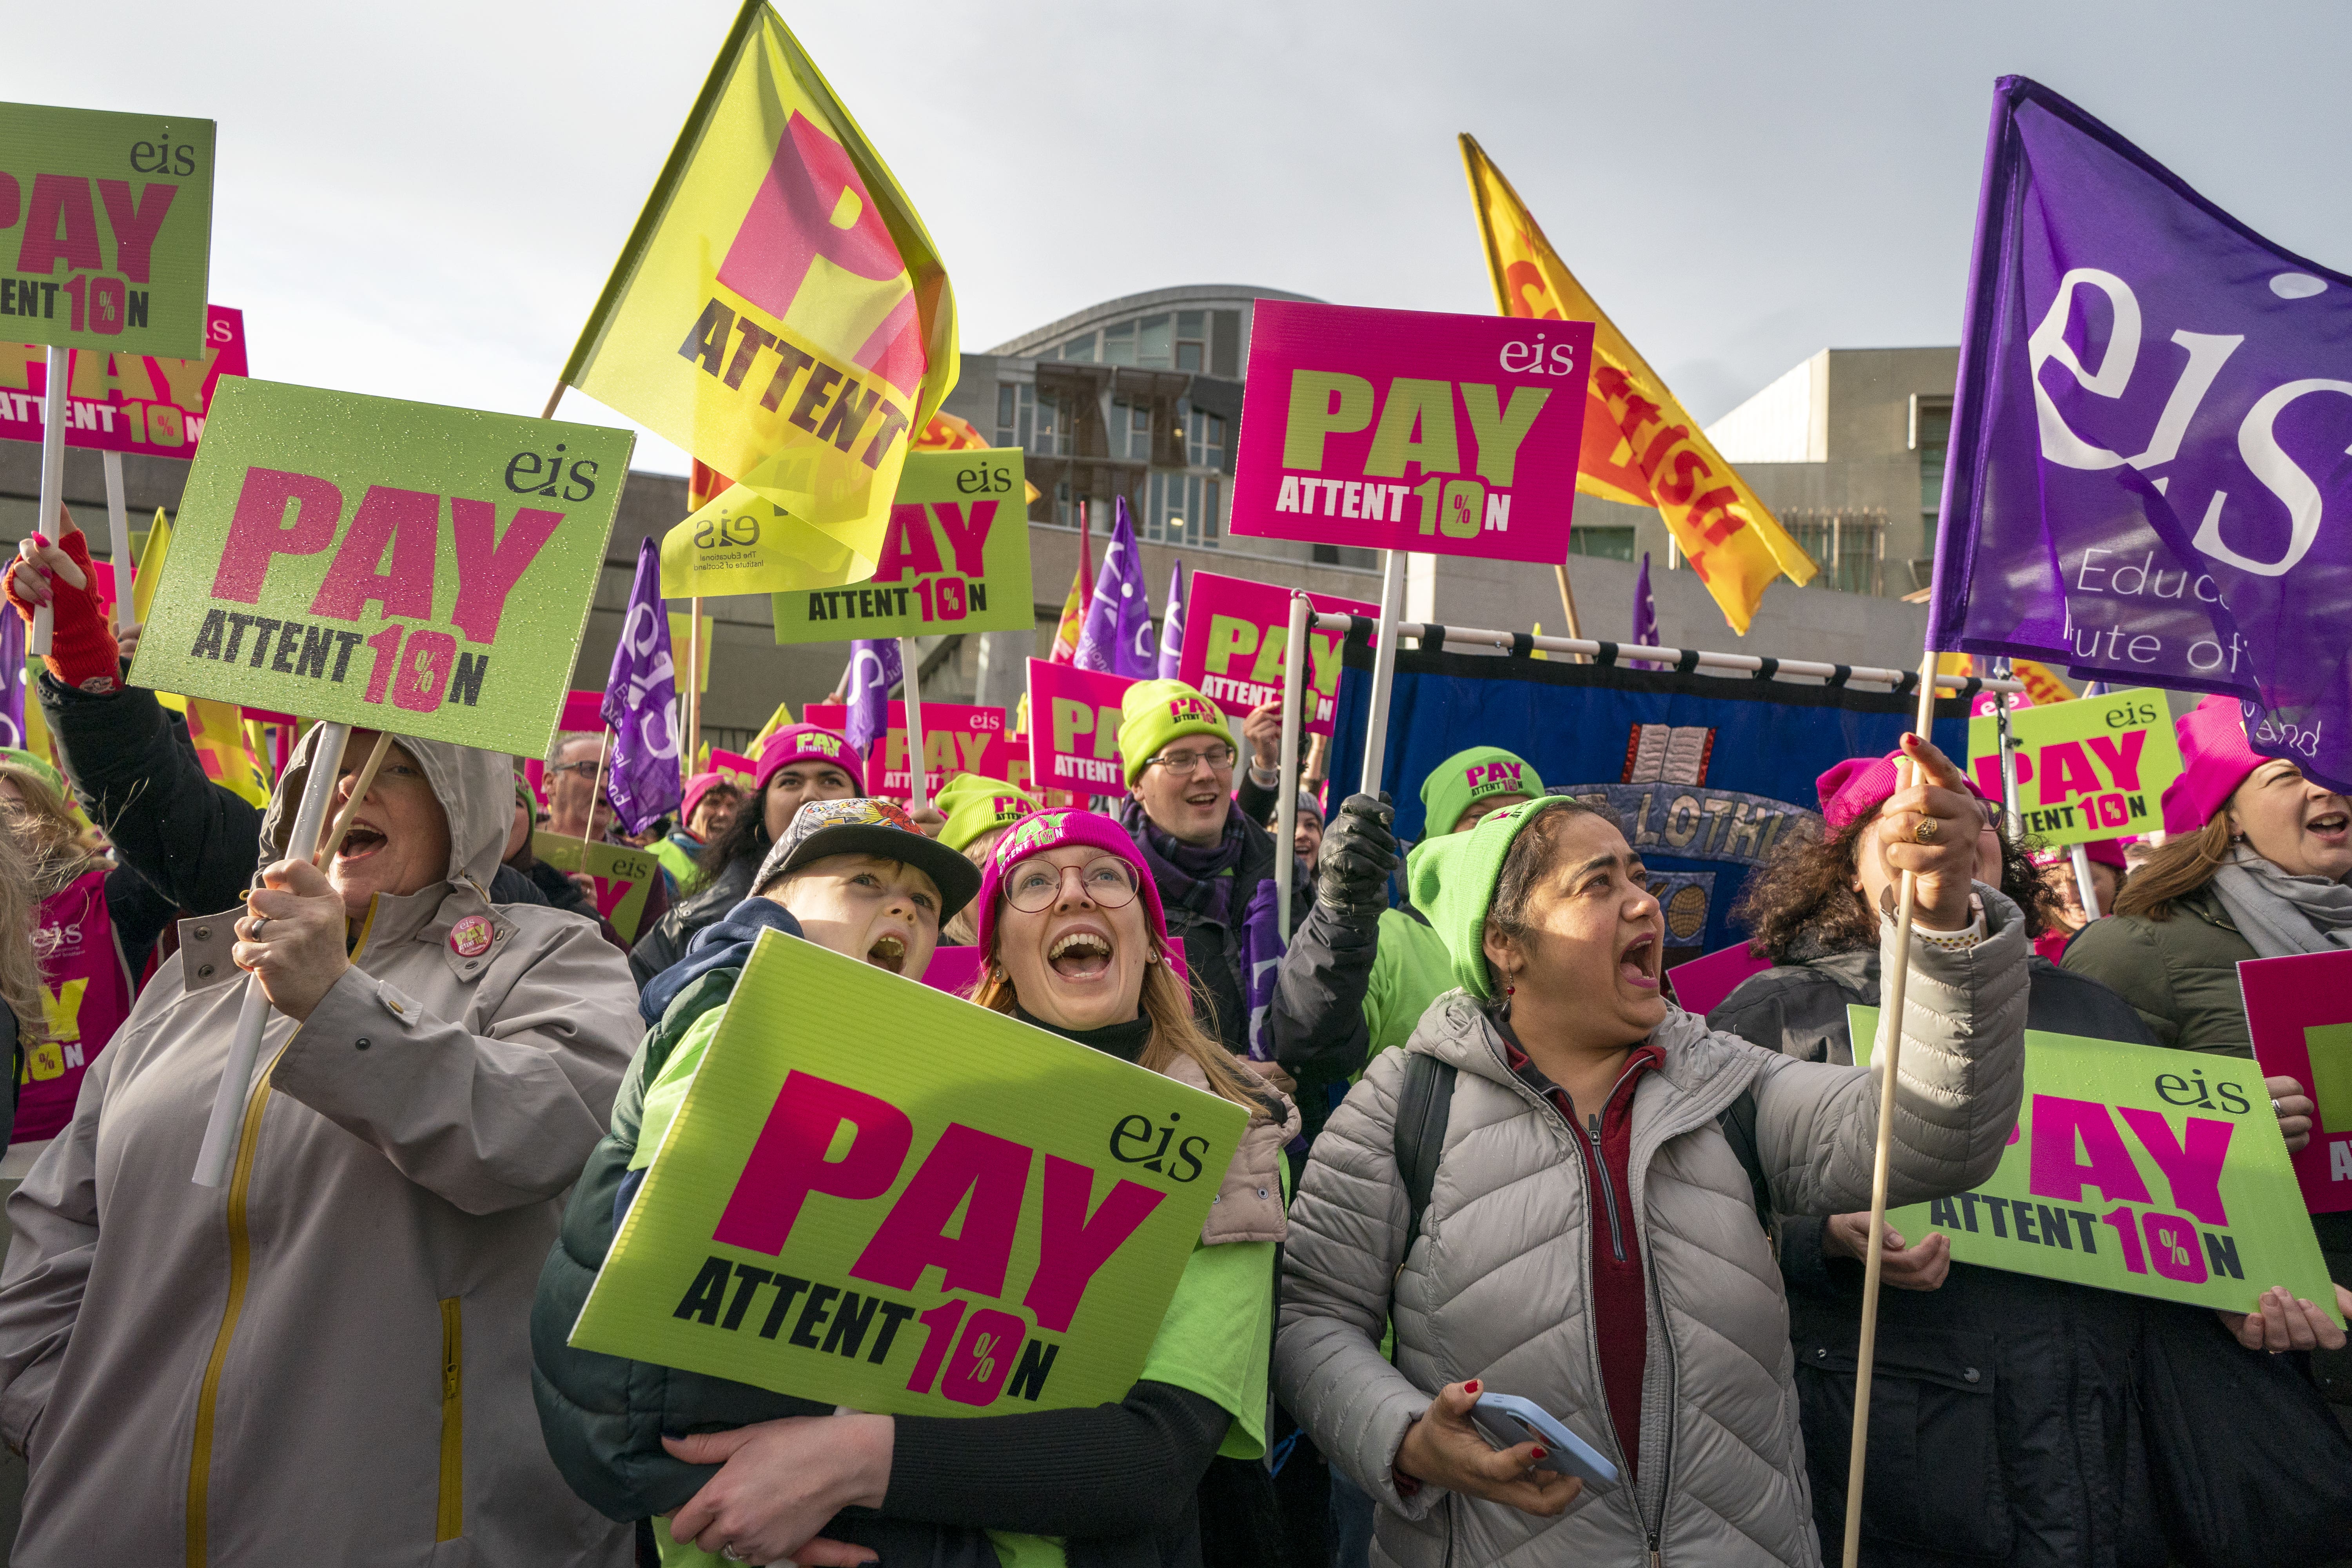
(1183, 765)
(1034, 884)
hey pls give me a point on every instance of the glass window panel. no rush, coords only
(1212, 519)
(1192, 324)
(1006, 401)
(1079, 348)
(1607, 543)
(1153, 343)
(1118, 344)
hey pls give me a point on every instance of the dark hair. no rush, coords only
(1806, 891)
(747, 835)
(1531, 858)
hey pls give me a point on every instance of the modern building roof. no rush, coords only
(1193, 296)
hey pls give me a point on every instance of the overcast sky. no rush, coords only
(423, 200)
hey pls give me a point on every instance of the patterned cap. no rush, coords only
(864, 825)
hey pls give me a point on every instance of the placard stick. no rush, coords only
(1887, 1059)
(220, 1146)
(2088, 890)
(910, 698)
(53, 480)
(553, 399)
(1376, 726)
(1568, 604)
(1294, 705)
(326, 855)
(693, 692)
(117, 537)
(588, 824)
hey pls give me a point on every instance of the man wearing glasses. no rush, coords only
(1214, 865)
(576, 768)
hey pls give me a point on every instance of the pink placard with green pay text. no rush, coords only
(2299, 1010)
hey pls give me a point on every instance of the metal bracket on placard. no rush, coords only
(1605, 654)
(1687, 662)
(1766, 668)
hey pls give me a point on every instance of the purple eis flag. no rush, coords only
(2146, 479)
(873, 671)
(641, 705)
(1171, 626)
(1645, 610)
(1116, 635)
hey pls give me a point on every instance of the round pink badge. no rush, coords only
(470, 937)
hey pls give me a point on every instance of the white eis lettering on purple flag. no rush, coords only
(2150, 472)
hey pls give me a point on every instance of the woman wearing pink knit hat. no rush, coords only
(2254, 864)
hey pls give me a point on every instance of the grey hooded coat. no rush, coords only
(1493, 1285)
(326, 1360)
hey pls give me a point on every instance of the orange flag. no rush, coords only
(1639, 445)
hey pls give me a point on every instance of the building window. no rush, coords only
(1030, 421)
(1130, 431)
(1184, 509)
(1606, 544)
(1192, 340)
(1931, 433)
(1849, 547)
(1204, 437)
(1147, 344)
(1079, 348)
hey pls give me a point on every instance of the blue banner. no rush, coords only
(1706, 773)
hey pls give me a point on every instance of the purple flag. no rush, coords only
(1171, 626)
(2149, 430)
(14, 674)
(1116, 635)
(641, 704)
(1645, 610)
(873, 671)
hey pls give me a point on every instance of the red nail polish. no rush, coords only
(1542, 1453)
(1471, 1387)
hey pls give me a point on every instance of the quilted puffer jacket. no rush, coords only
(1493, 1285)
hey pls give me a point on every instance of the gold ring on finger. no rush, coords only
(1924, 830)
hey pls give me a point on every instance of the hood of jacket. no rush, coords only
(476, 789)
(725, 944)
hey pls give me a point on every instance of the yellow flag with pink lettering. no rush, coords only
(1641, 445)
(780, 313)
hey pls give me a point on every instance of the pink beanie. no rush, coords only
(2214, 761)
(696, 787)
(1043, 830)
(1856, 786)
(800, 743)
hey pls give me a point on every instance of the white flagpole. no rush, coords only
(118, 539)
(910, 688)
(1293, 698)
(53, 478)
(1887, 1059)
(219, 1147)
(1376, 725)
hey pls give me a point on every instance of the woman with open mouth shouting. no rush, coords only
(325, 1358)
(1076, 945)
(1552, 1192)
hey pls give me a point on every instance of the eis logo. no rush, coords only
(529, 473)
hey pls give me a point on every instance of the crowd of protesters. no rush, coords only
(1485, 1150)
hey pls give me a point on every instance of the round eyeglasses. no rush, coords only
(1034, 884)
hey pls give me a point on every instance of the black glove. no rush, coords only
(1358, 854)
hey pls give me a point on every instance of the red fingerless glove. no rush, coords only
(82, 653)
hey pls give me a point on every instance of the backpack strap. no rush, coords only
(1422, 1106)
(1739, 1124)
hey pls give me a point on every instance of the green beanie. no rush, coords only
(1155, 712)
(39, 767)
(973, 805)
(1463, 779)
(1453, 882)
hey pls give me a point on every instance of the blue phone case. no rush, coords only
(1508, 1420)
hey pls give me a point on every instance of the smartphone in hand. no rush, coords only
(1508, 1420)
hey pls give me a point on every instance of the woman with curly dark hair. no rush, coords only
(2028, 1385)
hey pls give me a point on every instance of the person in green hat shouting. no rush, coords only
(1581, 1229)
(1214, 865)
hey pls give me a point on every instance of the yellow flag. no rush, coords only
(1639, 445)
(2042, 685)
(780, 313)
(218, 728)
(779, 719)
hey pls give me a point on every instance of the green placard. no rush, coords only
(623, 877)
(955, 557)
(2092, 768)
(395, 565)
(106, 227)
(2133, 1168)
(937, 1211)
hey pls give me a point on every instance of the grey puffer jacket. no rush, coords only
(1494, 1286)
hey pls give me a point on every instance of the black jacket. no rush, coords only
(666, 942)
(1214, 949)
(2012, 1417)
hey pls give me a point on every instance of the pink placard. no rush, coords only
(958, 737)
(1235, 632)
(734, 766)
(1074, 728)
(582, 710)
(2299, 1011)
(1701, 985)
(124, 403)
(952, 969)
(1410, 430)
